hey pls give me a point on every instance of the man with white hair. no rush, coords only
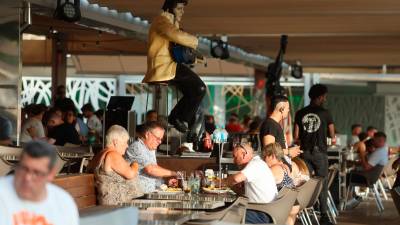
(28, 197)
(259, 182)
(143, 151)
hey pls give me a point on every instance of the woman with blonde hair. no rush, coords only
(300, 173)
(273, 156)
(116, 180)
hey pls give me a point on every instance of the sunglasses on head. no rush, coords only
(240, 145)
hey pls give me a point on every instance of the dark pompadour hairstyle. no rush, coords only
(169, 5)
(39, 149)
(317, 90)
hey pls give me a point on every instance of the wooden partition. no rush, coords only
(80, 186)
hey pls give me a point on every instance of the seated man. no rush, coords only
(143, 151)
(259, 182)
(379, 157)
(28, 198)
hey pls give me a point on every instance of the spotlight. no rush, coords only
(219, 49)
(297, 71)
(69, 10)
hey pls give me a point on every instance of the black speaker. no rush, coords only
(118, 113)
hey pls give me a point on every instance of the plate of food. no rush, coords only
(164, 189)
(216, 190)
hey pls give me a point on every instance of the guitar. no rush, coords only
(186, 55)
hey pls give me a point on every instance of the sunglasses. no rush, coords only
(240, 145)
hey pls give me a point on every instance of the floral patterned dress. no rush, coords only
(112, 188)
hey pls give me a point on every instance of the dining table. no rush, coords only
(207, 197)
(174, 204)
(151, 216)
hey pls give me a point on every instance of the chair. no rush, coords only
(333, 211)
(5, 167)
(307, 196)
(279, 209)
(61, 162)
(73, 153)
(235, 213)
(395, 192)
(389, 173)
(368, 180)
(314, 199)
(114, 216)
(12, 153)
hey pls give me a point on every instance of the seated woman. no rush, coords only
(116, 180)
(273, 156)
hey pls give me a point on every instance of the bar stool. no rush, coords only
(157, 87)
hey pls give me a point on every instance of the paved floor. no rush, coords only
(367, 213)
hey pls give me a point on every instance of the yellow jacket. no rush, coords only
(160, 65)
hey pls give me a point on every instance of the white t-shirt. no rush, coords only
(260, 183)
(35, 123)
(95, 124)
(57, 209)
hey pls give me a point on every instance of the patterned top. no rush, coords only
(140, 153)
(287, 181)
(112, 188)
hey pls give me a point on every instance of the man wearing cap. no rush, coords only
(312, 124)
(28, 197)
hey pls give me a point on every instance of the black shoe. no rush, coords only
(179, 125)
(324, 220)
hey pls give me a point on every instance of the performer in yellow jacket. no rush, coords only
(161, 67)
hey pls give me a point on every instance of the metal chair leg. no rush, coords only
(315, 216)
(378, 199)
(382, 189)
(331, 212)
(307, 216)
(299, 216)
(330, 207)
(333, 203)
(303, 218)
(83, 161)
(349, 188)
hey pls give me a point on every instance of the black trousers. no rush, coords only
(317, 161)
(193, 90)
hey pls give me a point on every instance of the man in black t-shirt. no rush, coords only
(271, 131)
(312, 124)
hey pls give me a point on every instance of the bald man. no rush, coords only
(259, 182)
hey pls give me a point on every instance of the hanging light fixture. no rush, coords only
(219, 48)
(68, 10)
(296, 70)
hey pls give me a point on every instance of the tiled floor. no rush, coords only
(367, 213)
